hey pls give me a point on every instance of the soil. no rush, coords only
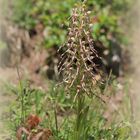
(6, 76)
(135, 58)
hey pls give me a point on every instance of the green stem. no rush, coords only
(79, 116)
(22, 95)
(56, 121)
(78, 113)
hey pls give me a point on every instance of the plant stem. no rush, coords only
(22, 95)
(56, 121)
(78, 113)
(79, 116)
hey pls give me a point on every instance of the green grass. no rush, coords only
(58, 105)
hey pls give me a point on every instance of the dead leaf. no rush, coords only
(33, 121)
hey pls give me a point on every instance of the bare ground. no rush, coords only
(135, 84)
(6, 76)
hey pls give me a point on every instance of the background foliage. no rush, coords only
(54, 15)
